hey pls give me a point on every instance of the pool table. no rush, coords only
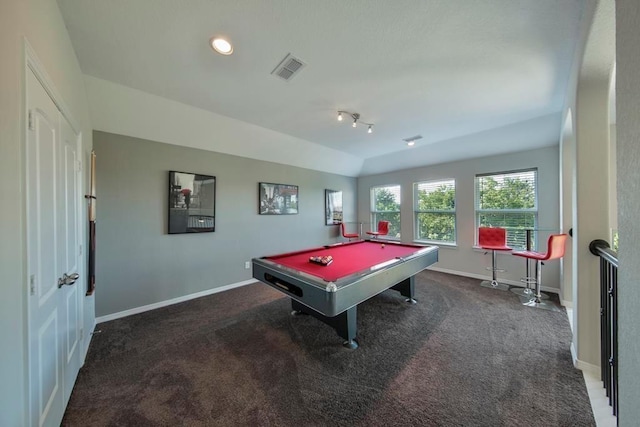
(358, 271)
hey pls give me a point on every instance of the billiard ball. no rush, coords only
(382, 246)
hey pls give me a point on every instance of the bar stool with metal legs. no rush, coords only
(493, 239)
(528, 280)
(348, 235)
(555, 250)
(383, 230)
(529, 283)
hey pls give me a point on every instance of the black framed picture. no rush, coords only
(277, 199)
(332, 207)
(192, 203)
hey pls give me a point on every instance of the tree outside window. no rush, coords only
(508, 200)
(435, 211)
(386, 207)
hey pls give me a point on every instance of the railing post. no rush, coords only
(598, 243)
(608, 319)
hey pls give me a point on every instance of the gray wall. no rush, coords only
(463, 258)
(628, 135)
(138, 263)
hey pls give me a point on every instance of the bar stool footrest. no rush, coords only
(531, 281)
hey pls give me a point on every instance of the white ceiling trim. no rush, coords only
(122, 110)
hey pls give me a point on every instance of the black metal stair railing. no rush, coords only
(608, 319)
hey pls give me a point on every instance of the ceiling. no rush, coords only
(447, 70)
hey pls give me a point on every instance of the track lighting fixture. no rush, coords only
(356, 120)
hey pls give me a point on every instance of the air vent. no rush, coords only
(288, 67)
(413, 138)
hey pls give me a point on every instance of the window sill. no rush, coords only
(438, 244)
(381, 238)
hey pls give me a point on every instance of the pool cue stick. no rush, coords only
(91, 285)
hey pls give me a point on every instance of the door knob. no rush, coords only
(67, 279)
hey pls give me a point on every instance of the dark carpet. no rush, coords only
(463, 356)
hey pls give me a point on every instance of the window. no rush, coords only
(435, 211)
(509, 200)
(385, 206)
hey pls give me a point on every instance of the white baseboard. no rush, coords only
(177, 300)
(565, 303)
(589, 368)
(482, 277)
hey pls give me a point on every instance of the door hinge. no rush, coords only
(81, 334)
(79, 166)
(80, 250)
(31, 120)
(32, 284)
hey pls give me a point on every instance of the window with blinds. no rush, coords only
(385, 206)
(508, 200)
(435, 211)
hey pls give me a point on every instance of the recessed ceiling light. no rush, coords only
(411, 141)
(221, 45)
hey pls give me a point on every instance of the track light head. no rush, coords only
(356, 119)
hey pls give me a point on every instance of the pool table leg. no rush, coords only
(407, 289)
(344, 323)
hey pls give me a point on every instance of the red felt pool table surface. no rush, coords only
(348, 258)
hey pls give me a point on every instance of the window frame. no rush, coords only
(535, 210)
(374, 212)
(417, 212)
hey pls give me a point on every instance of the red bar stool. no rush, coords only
(493, 239)
(528, 280)
(555, 250)
(383, 230)
(348, 235)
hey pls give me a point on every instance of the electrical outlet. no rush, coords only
(247, 265)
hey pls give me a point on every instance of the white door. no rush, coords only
(52, 254)
(69, 243)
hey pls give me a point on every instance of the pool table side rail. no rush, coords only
(348, 291)
(289, 272)
(342, 244)
(367, 286)
(271, 262)
(319, 248)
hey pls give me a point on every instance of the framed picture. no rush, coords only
(277, 199)
(332, 207)
(192, 203)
